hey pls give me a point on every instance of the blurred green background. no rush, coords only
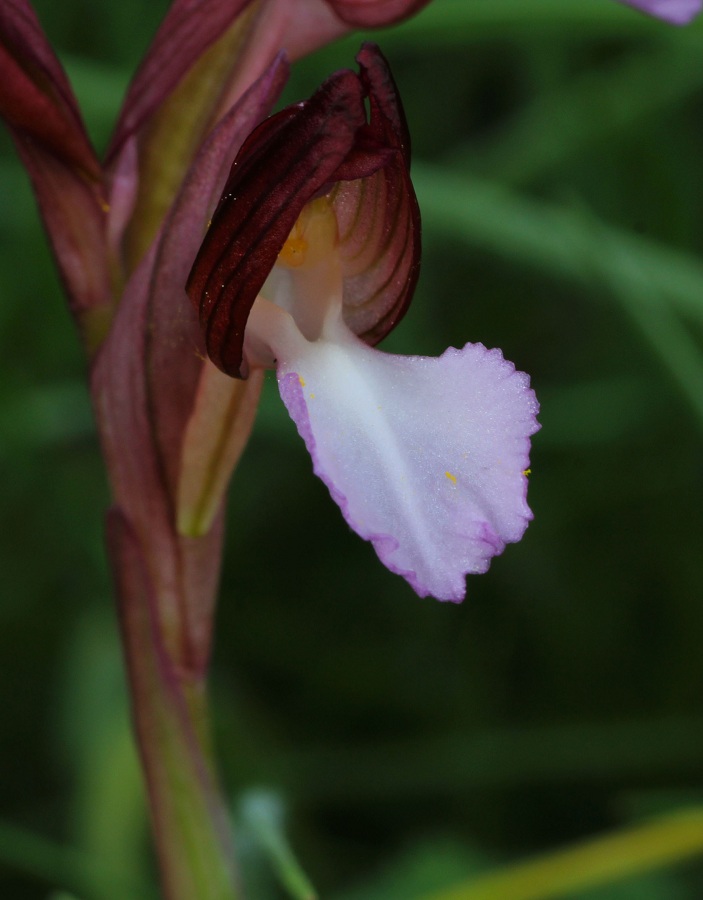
(559, 149)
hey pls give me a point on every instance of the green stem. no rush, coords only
(169, 708)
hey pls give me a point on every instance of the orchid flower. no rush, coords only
(124, 233)
(312, 258)
(678, 12)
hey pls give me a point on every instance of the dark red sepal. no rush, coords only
(36, 99)
(375, 13)
(38, 105)
(319, 146)
(188, 30)
(379, 217)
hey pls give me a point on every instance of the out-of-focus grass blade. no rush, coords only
(678, 352)
(262, 814)
(43, 416)
(554, 239)
(600, 410)
(17, 213)
(56, 864)
(589, 109)
(422, 867)
(499, 759)
(458, 22)
(652, 282)
(602, 860)
(99, 89)
(109, 817)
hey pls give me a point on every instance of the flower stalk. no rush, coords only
(311, 260)
(189, 817)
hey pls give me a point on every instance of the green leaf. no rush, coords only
(460, 22)
(598, 861)
(55, 863)
(424, 866)
(558, 240)
(654, 284)
(559, 123)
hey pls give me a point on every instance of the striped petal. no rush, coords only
(324, 146)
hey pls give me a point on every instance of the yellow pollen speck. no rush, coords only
(313, 236)
(527, 473)
(301, 380)
(312, 396)
(451, 477)
(294, 251)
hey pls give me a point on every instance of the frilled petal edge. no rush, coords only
(426, 457)
(678, 12)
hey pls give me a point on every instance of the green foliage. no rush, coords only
(558, 149)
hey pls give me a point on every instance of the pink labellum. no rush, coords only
(678, 12)
(425, 457)
(311, 258)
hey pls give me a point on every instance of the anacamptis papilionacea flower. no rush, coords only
(311, 259)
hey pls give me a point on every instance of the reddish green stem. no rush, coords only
(169, 709)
